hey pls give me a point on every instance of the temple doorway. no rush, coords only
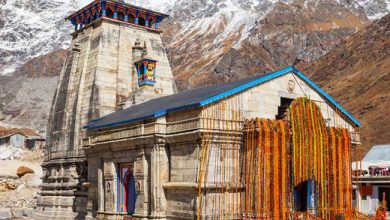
(127, 192)
(305, 196)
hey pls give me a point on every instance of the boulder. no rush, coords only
(22, 170)
(5, 214)
(9, 167)
(31, 179)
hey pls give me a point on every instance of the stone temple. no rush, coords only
(116, 59)
(123, 144)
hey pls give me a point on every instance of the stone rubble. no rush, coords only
(9, 183)
(10, 153)
(19, 184)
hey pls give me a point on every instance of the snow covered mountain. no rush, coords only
(30, 28)
(208, 41)
(221, 40)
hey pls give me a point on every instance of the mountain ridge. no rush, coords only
(283, 32)
(207, 42)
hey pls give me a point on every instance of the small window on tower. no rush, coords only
(141, 21)
(146, 69)
(151, 23)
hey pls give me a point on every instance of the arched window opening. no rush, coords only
(121, 16)
(110, 13)
(141, 21)
(151, 23)
(131, 19)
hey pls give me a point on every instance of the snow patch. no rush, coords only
(375, 9)
(8, 152)
(230, 19)
(33, 28)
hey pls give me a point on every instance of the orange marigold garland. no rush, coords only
(309, 149)
(274, 166)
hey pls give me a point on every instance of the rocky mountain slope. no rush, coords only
(357, 74)
(219, 41)
(26, 96)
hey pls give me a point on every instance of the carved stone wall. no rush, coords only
(168, 158)
(150, 201)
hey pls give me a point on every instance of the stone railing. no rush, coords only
(64, 155)
(162, 128)
(123, 133)
(182, 126)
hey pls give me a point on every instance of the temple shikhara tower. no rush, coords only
(121, 144)
(116, 59)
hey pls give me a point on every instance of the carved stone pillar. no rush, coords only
(94, 178)
(100, 189)
(110, 189)
(141, 170)
(159, 176)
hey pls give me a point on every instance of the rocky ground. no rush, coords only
(20, 177)
(26, 96)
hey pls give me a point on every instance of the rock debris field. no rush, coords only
(20, 177)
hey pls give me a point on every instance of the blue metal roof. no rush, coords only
(197, 98)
